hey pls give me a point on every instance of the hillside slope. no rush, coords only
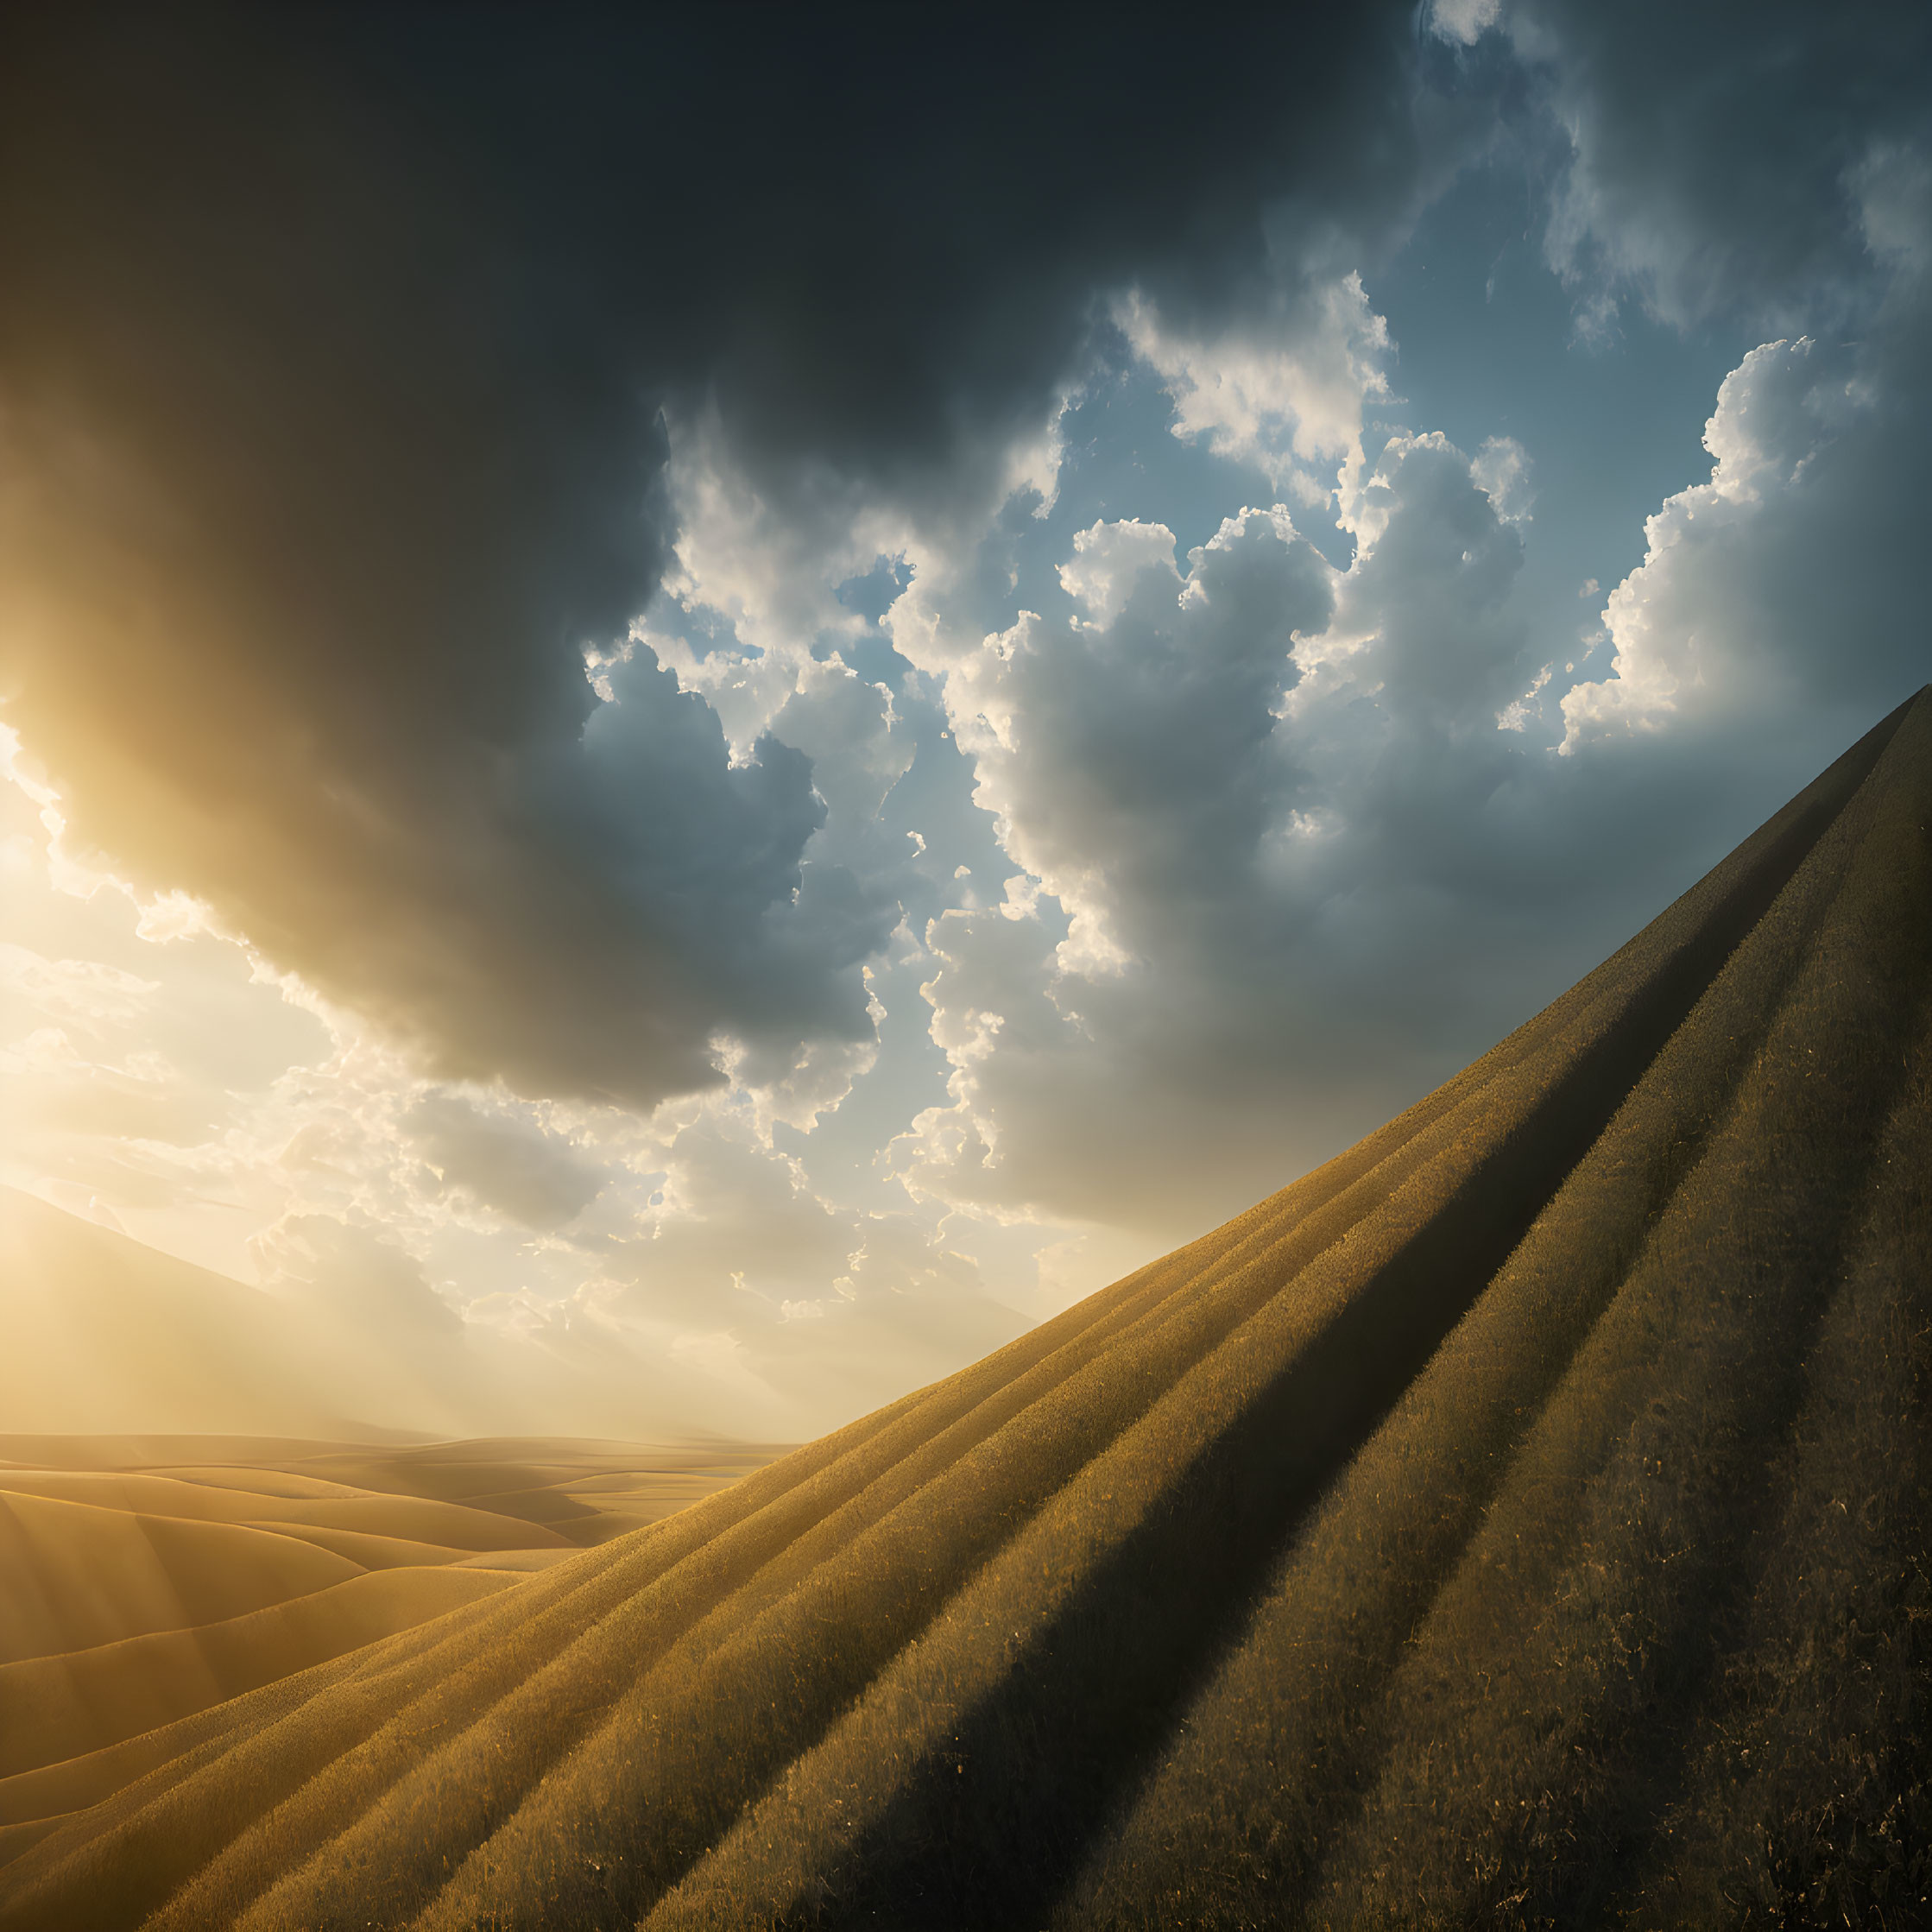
(1521, 1519)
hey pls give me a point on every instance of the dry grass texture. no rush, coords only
(1522, 1520)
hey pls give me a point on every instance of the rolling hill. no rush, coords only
(106, 1333)
(1522, 1520)
(145, 1579)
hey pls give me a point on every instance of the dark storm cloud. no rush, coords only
(1719, 150)
(331, 357)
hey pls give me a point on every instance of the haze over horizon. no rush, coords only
(748, 701)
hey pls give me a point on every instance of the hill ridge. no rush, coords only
(1164, 1613)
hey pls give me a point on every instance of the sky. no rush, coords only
(755, 696)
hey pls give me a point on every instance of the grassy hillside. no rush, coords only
(1521, 1520)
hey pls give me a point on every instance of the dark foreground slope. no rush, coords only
(1522, 1520)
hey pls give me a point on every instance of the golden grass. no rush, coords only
(1519, 1520)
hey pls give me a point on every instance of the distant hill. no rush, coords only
(103, 1333)
(1521, 1520)
(147, 1579)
